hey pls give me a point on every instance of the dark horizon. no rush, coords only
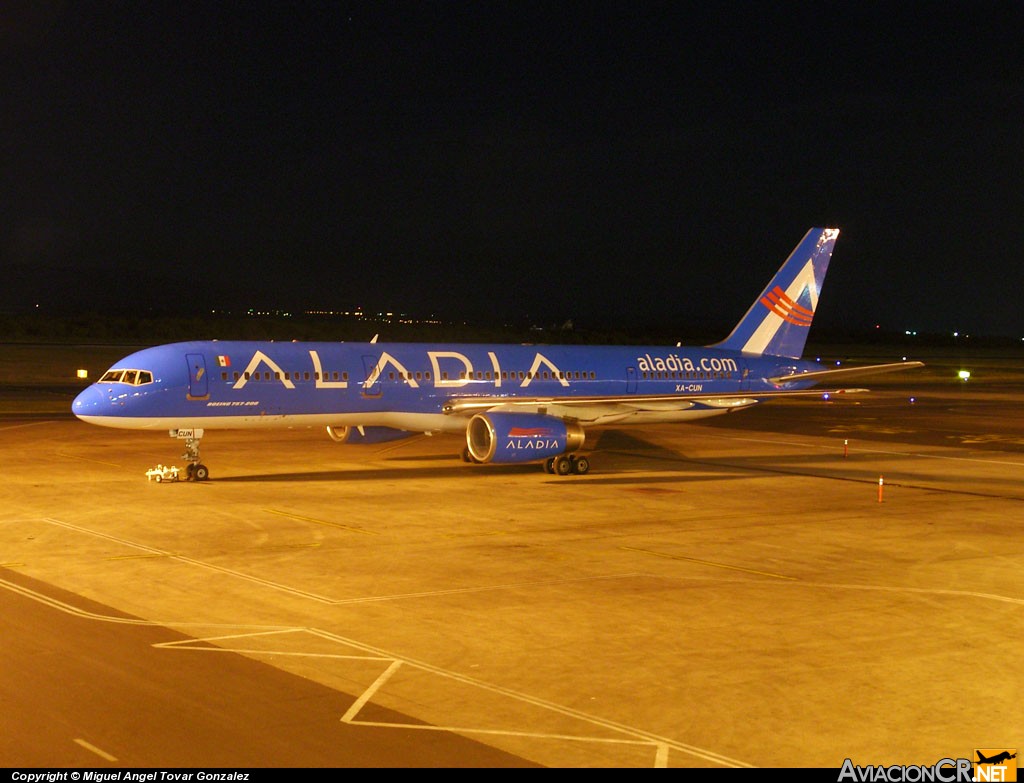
(620, 166)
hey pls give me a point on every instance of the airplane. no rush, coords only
(513, 403)
(999, 758)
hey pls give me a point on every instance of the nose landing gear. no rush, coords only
(196, 470)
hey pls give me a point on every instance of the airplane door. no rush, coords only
(198, 383)
(631, 380)
(371, 389)
(744, 377)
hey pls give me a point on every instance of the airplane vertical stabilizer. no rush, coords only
(779, 320)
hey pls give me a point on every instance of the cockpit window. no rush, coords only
(131, 377)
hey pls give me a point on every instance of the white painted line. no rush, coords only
(102, 754)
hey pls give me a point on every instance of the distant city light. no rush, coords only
(83, 374)
(964, 375)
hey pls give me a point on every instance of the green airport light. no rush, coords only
(964, 375)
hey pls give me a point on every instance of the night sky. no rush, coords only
(614, 164)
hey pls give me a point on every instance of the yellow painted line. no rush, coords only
(710, 563)
(477, 535)
(21, 426)
(322, 522)
(87, 459)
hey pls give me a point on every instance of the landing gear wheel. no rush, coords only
(563, 465)
(190, 472)
(549, 465)
(200, 472)
(581, 466)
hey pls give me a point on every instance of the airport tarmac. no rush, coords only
(794, 585)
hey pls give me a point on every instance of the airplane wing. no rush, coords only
(608, 410)
(592, 410)
(845, 372)
(588, 407)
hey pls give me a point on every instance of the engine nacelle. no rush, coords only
(520, 437)
(366, 434)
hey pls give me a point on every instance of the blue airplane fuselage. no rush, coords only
(218, 384)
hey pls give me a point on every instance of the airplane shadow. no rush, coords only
(455, 471)
(617, 457)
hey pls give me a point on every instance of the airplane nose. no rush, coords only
(90, 402)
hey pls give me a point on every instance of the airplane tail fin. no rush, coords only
(778, 321)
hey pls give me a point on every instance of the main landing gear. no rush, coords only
(565, 464)
(562, 465)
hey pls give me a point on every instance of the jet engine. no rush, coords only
(520, 437)
(366, 434)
